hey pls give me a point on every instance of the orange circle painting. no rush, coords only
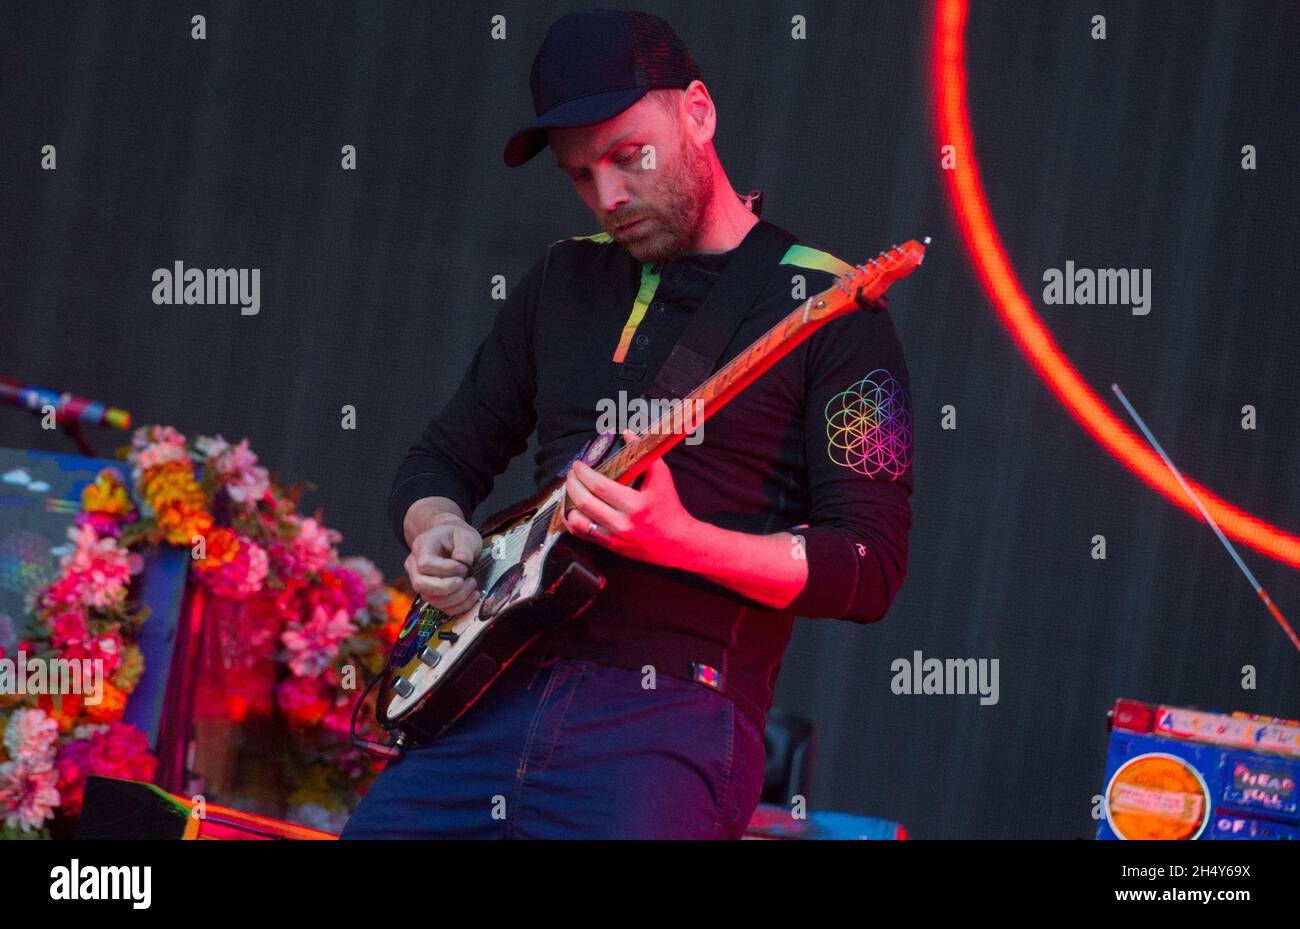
(1157, 796)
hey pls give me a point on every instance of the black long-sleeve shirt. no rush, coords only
(819, 445)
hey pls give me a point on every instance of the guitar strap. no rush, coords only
(743, 281)
(696, 354)
(715, 321)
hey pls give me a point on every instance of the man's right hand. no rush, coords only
(439, 564)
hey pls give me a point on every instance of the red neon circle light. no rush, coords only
(980, 236)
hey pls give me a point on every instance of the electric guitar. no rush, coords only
(531, 577)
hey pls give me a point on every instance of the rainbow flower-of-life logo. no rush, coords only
(869, 426)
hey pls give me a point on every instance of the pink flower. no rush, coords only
(353, 587)
(378, 593)
(146, 436)
(312, 646)
(105, 526)
(111, 750)
(108, 648)
(246, 480)
(95, 574)
(30, 738)
(269, 610)
(310, 550)
(211, 447)
(28, 796)
(66, 592)
(302, 700)
(156, 445)
(69, 628)
(28, 781)
(339, 719)
(365, 569)
(242, 576)
(337, 589)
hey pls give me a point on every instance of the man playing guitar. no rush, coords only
(644, 716)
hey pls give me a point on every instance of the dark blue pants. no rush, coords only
(568, 749)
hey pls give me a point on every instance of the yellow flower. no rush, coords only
(177, 501)
(106, 495)
(172, 484)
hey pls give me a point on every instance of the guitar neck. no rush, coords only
(865, 284)
(713, 394)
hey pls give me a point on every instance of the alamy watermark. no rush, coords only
(1105, 286)
(76, 881)
(208, 286)
(920, 675)
(666, 417)
(38, 676)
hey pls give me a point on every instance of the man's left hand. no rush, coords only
(646, 524)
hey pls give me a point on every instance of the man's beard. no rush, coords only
(685, 196)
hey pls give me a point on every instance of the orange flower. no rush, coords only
(387, 633)
(177, 500)
(399, 604)
(110, 708)
(181, 525)
(222, 546)
(66, 716)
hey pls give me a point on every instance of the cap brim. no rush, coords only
(582, 111)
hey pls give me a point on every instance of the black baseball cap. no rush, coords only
(593, 66)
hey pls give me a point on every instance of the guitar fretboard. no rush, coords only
(864, 285)
(728, 380)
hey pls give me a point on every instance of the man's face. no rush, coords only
(608, 162)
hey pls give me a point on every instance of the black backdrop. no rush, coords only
(375, 289)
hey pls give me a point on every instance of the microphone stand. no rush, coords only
(74, 428)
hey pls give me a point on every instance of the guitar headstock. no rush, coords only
(866, 283)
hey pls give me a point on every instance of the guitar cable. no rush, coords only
(386, 750)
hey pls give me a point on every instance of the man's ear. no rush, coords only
(699, 103)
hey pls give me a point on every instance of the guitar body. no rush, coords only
(531, 581)
(531, 578)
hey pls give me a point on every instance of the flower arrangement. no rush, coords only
(327, 621)
(51, 742)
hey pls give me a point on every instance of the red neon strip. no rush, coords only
(966, 195)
